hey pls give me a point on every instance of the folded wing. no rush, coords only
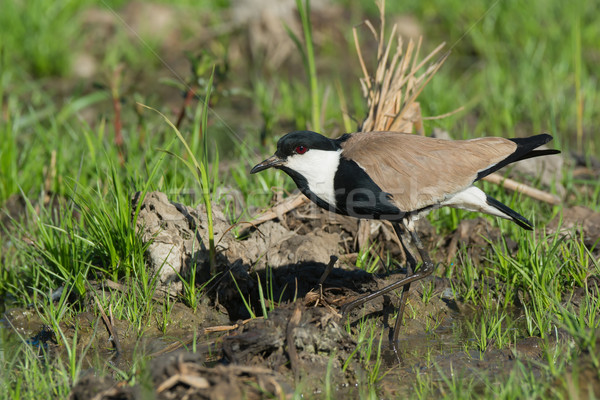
(421, 171)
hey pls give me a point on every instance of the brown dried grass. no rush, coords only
(398, 79)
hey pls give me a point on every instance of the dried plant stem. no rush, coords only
(391, 92)
(527, 190)
(289, 204)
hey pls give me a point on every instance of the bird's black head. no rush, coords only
(296, 143)
(299, 142)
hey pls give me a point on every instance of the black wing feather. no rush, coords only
(525, 150)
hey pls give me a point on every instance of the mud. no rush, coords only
(301, 342)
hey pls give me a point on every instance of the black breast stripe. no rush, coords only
(358, 196)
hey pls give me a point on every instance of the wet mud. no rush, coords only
(301, 344)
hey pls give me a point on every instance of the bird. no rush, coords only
(399, 177)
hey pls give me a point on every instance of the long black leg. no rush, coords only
(423, 272)
(410, 268)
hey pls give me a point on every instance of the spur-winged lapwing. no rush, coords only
(399, 177)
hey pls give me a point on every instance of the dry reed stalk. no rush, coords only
(391, 92)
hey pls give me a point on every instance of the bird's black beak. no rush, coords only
(272, 161)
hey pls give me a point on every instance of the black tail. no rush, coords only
(525, 149)
(516, 217)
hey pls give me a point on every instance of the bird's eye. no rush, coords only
(301, 149)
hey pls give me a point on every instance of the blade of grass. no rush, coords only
(199, 171)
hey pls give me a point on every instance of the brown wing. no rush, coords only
(420, 171)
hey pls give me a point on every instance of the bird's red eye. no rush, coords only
(301, 149)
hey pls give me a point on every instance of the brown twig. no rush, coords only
(194, 381)
(110, 327)
(226, 328)
(287, 205)
(211, 329)
(319, 286)
(291, 345)
(189, 96)
(527, 190)
(109, 393)
(448, 114)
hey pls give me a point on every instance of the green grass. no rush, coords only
(369, 342)
(518, 67)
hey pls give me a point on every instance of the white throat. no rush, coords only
(318, 167)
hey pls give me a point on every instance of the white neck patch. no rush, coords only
(318, 167)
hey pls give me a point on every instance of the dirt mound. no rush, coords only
(178, 239)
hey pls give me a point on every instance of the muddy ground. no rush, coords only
(302, 340)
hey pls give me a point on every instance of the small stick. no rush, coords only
(110, 393)
(448, 114)
(225, 328)
(523, 188)
(292, 202)
(205, 331)
(111, 328)
(291, 346)
(189, 96)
